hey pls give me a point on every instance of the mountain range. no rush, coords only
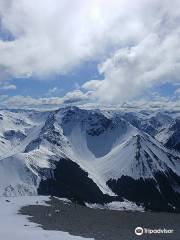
(92, 155)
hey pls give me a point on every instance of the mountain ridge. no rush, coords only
(104, 148)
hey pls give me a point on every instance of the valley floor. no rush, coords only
(97, 224)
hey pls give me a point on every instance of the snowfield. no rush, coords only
(14, 226)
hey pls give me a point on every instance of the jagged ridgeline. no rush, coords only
(94, 156)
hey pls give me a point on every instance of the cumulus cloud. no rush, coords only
(152, 61)
(52, 36)
(20, 101)
(92, 85)
(76, 96)
(131, 70)
(138, 40)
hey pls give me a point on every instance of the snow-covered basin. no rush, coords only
(14, 226)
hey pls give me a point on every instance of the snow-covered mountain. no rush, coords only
(148, 121)
(170, 136)
(90, 155)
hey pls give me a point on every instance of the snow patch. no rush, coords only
(14, 226)
(120, 206)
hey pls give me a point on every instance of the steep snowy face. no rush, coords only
(16, 127)
(148, 174)
(139, 157)
(82, 136)
(148, 121)
(163, 126)
(49, 135)
(12, 131)
(16, 178)
(170, 136)
(93, 134)
(18, 172)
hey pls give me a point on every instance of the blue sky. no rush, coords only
(99, 51)
(66, 83)
(38, 87)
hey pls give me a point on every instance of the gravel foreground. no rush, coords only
(101, 224)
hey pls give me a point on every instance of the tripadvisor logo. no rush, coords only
(140, 231)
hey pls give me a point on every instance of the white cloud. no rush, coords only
(140, 38)
(7, 86)
(76, 96)
(161, 104)
(152, 61)
(92, 85)
(20, 101)
(177, 92)
(52, 36)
